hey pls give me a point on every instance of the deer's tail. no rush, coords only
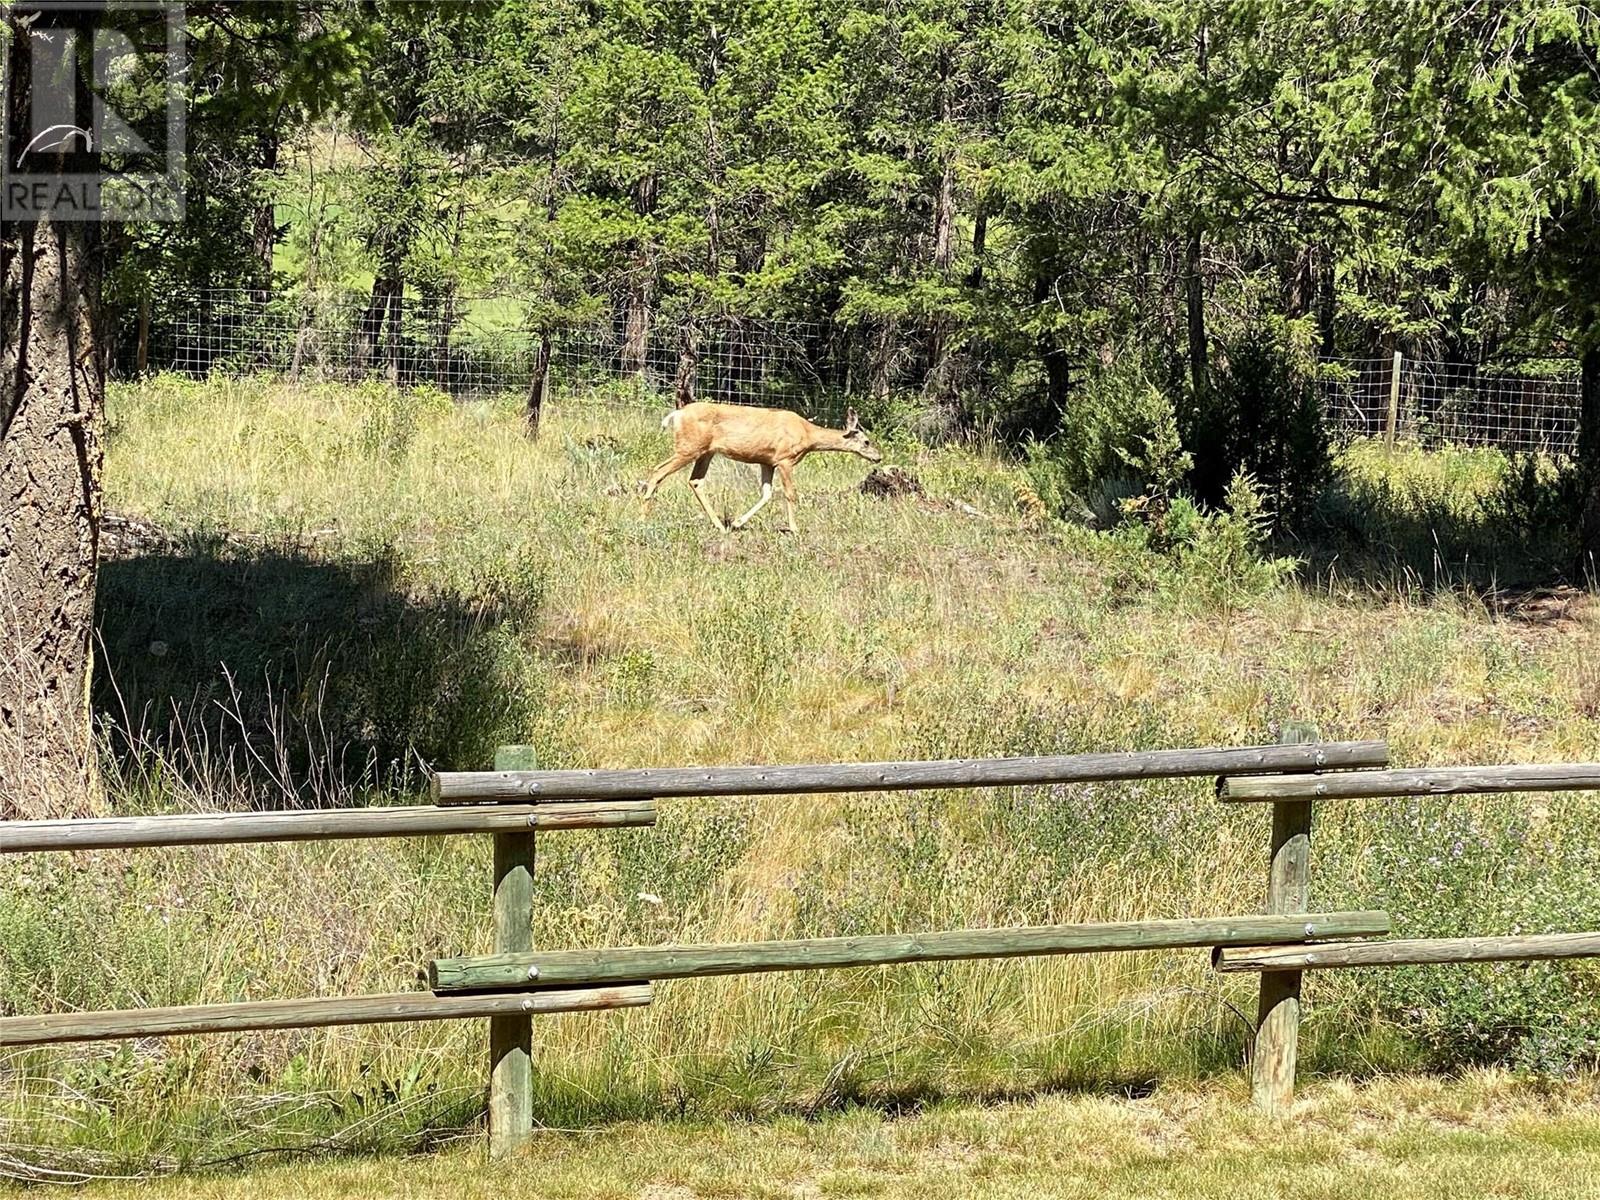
(670, 421)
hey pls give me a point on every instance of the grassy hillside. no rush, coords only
(319, 592)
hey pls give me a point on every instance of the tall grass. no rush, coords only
(353, 584)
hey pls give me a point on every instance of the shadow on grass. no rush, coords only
(1426, 531)
(302, 673)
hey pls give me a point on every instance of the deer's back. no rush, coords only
(758, 435)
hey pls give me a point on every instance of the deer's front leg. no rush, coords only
(766, 494)
(696, 477)
(786, 477)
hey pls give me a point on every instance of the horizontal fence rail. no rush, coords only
(466, 786)
(301, 1014)
(1407, 952)
(1427, 781)
(198, 829)
(549, 967)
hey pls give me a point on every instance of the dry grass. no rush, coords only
(886, 630)
(1403, 1139)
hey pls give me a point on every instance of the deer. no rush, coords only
(772, 438)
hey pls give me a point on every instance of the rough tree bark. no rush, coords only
(688, 361)
(641, 286)
(885, 350)
(1589, 458)
(382, 310)
(264, 225)
(52, 388)
(538, 388)
(1194, 298)
(980, 242)
(1194, 291)
(1327, 300)
(1057, 367)
(539, 381)
(1299, 282)
(397, 298)
(939, 385)
(141, 361)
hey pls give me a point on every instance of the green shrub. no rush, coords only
(1120, 438)
(1449, 514)
(1475, 866)
(391, 417)
(1261, 416)
(1538, 502)
(1220, 552)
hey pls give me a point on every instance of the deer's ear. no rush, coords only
(851, 421)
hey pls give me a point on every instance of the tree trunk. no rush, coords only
(1299, 283)
(539, 382)
(980, 241)
(880, 364)
(1589, 460)
(636, 321)
(538, 388)
(397, 296)
(1194, 296)
(1326, 301)
(264, 225)
(308, 301)
(142, 349)
(688, 361)
(1057, 370)
(52, 388)
(939, 385)
(641, 286)
(381, 310)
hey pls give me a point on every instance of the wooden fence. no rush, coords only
(516, 982)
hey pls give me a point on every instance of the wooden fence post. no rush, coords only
(511, 1037)
(1392, 424)
(1277, 1040)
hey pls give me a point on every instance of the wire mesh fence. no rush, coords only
(477, 346)
(1459, 404)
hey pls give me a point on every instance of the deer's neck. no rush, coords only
(830, 439)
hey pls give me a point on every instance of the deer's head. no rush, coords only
(856, 439)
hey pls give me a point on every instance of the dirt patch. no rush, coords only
(666, 1191)
(1542, 608)
(887, 483)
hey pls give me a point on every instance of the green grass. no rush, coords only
(1424, 520)
(1404, 1139)
(355, 582)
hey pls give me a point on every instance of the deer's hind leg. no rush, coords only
(696, 478)
(675, 463)
(766, 494)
